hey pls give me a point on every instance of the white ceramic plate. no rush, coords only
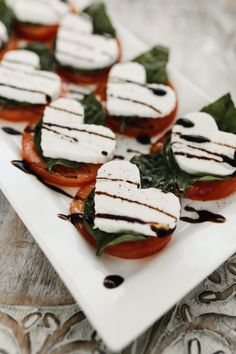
(151, 285)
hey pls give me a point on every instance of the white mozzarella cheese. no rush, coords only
(66, 137)
(78, 48)
(121, 206)
(3, 34)
(129, 95)
(20, 81)
(21, 59)
(45, 12)
(199, 147)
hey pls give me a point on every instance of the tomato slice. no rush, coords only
(31, 113)
(211, 190)
(62, 176)
(36, 32)
(126, 250)
(11, 45)
(99, 79)
(143, 126)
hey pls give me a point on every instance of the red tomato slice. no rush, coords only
(62, 176)
(98, 79)
(143, 126)
(126, 250)
(36, 32)
(11, 45)
(211, 190)
(31, 113)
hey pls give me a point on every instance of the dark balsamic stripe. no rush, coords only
(195, 138)
(65, 110)
(135, 202)
(160, 232)
(119, 157)
(157, 91)
(134, 151)
(14, 61)
(84, 45)
(67, 137)
(117, 179)
(79, 130)
(48, 98)
(135, 101)
(190, 156)
(37, 73)
(225, 158)
(185, 122)
(76, 56)
(120, 217)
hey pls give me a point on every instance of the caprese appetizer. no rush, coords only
(25, 90)
(86, 46)
(70, 143)
(38, 20)
(119, 218)
(199, 160)
(7, 40)
(140, 99)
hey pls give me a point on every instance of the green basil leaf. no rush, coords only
(52, 163)
(6, 103)
(6, 16)
(101, 21)
(45, 55)
(155, 62)
(224, 112)
(93, 110)
(160, 170)
(102, 238)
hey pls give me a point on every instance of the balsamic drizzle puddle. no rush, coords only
(203, 216)
(24, 167)
(11, 131)
(73, 218)
(113, 281)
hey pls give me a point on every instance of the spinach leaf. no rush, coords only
(6, 103)
(102, 238)
(224, 112)
(45, 55)
(52, 163)
(6, 16)
(155, 62)
(160, 170)
(101, 21)
(93, 110)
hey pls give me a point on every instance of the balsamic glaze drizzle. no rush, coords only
(113, 281)
(24, 167)
(185, 122)
(73, 218)
(203, 216)
(144, 139)
(11, 131)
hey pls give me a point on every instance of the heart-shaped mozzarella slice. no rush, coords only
(21, 59)
(46, 12)
(199, 147)
(79, 48)
(20, 81)
(64, 136)
(129, 94)
(122, 206)
(3, 34)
